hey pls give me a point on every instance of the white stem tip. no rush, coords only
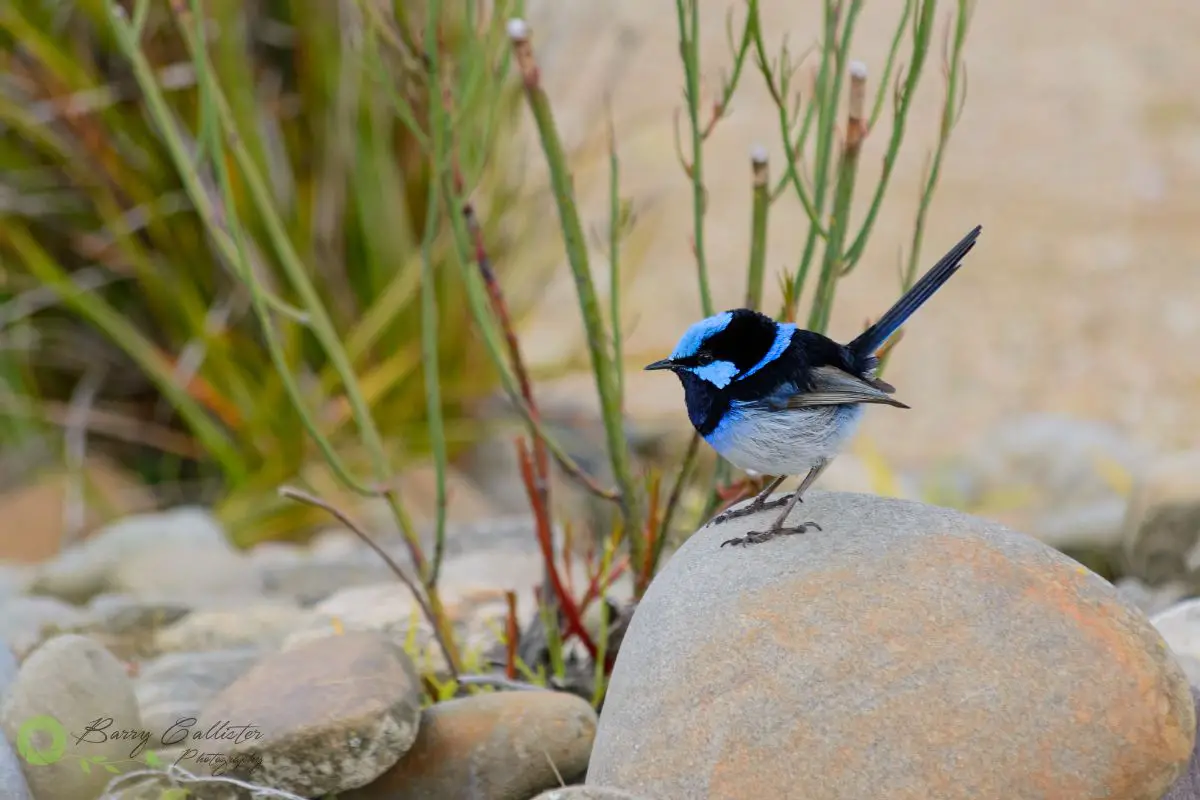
(517, 29)
(858, 69)
(758, 154)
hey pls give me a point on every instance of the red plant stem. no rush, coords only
(544, 535)
(593, 590)
(500, 308)
(646, 568)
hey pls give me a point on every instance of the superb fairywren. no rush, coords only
(779, 400)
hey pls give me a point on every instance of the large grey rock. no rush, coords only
(63, 688)
(87, 569)
(904, 651)
(329, 716)
(1162, 529)
(502, 746)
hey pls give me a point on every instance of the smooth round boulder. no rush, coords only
(902, 651)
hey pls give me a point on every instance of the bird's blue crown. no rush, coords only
(731, 346)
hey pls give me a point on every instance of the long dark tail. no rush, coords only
(873, 337)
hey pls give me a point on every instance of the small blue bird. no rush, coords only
(779, 400)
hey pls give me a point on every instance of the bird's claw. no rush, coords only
(758, 537)
(753, 508)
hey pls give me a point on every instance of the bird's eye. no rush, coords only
(704, 358)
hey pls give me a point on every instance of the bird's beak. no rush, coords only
(665, 363)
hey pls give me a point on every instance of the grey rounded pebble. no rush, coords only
(77, 682)
(327, 716)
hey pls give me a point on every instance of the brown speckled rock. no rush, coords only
(327, 716)
(491, 747)
(905, 652)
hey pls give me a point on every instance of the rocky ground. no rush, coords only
(905, 650)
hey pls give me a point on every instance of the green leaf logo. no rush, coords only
(42, 740)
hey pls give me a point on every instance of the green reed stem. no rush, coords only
(951, 111)
(831, 267)
(826, 100)
(689, 50)
(439, 156)
(615, 227)
(603, 367)
(885, 81)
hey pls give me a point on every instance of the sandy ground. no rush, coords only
(1079, 152)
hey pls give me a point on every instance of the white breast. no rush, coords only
(784, 442)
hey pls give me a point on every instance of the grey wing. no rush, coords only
(832, 386)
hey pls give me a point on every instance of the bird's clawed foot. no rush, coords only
(752, 508)
(758, 537)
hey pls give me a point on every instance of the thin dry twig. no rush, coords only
(313, 500)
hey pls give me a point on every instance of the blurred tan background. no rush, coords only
(1078, 151)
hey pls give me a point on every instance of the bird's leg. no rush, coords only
(758, 504)
(777, 528)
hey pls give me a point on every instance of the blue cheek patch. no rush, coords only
(783, 337)
(695, 335)
(718, 373)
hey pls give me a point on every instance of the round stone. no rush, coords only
(902, 651)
